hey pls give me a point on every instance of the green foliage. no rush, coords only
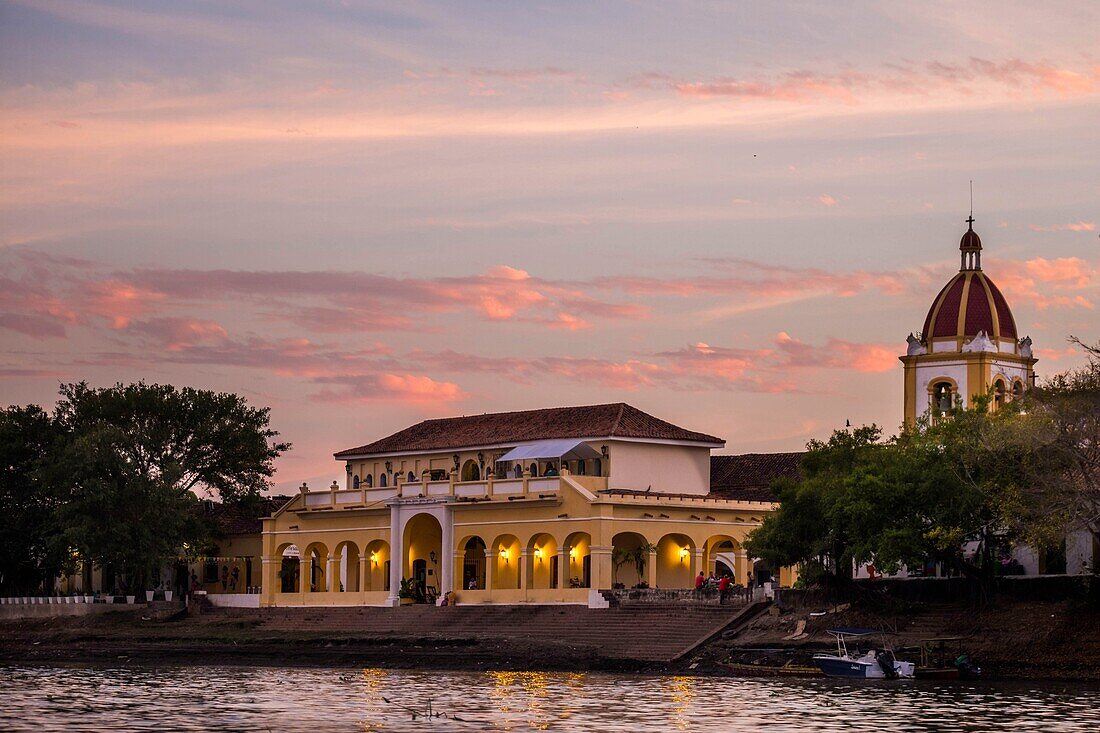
(639, 556)
(29, 555)
(112, 477)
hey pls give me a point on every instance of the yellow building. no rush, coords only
(539, 506)
(969, 344)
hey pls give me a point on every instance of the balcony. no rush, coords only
(492, 489)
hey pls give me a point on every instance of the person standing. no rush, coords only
(723, 589)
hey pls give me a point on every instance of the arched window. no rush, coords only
(942, 397)
(534, 469)
(355, 482)
(1017, 388)
(581, 467)
(382, 479)
(597, 467)
(412, 478)
(370, 480)
(999, 392)
(518, 471)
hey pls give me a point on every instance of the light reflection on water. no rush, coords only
(316, 700)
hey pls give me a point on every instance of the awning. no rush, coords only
(568, 448)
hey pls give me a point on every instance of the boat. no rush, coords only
(874, 664)
(765, 670)
(942, 658)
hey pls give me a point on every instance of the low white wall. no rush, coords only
(234, 600)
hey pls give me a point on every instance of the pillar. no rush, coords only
(457, 580)
(490, 561)
(304, 566)
(524, 575)
(696, 563)
(446, 546)
(364, 571)
(563, 568)
(397, 556)
(332, 577)
(269, 580)
(601, 566)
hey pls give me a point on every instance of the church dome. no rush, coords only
(969, 303)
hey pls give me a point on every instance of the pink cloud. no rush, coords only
(396, 387)
(1065, 282)
(836, 354)
(1080, 226)
(177, 334)
(119, 301)
(827, 199)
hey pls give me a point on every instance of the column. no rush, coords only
(601, 566)
(303, 574)
(490, 561)
(269, 581)
(457, 579)
(696, 563)
(563, 569)
(651, 568)
(397, 556)
(332, 570)
(447, 546)
(364, 571)
(524, 561)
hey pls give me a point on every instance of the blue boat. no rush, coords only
(875, 664)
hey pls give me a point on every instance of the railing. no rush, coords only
(336, 498)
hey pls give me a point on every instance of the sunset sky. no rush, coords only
(366, 214)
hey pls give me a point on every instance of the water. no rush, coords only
(286, 700)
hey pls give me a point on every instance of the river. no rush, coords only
(44, 699)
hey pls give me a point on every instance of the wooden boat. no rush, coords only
(942, 658)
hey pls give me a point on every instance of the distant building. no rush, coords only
(538, 506)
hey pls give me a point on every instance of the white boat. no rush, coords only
(875, 664)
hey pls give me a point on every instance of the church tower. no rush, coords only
(969, 344)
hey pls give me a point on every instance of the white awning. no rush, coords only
(568, 448)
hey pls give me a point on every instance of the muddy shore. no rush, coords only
(1017, 640)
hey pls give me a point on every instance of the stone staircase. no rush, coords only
(651, 633)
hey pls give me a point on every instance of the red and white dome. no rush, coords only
(969, 303)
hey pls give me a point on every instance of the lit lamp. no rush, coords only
(573, 553)
(431, 556)
(504, 555)
(683, 554)
(374, 558)
(538, 554)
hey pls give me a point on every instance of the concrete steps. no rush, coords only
(645, 633)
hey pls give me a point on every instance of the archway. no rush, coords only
(289, 569)
(578, 552)
(543, 561)
(629, 558)
(317, 560)
(423, 544)
(720, 556)
(674, 562)
(473, 564)
(470, 471)
(377, 576)
(347, 570)
(505, 556)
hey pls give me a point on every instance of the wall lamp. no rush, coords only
(374, 559)
(504, 555)
(538, 554)
(431, 556)
(683, 554)
(572, 553)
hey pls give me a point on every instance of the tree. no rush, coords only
(29, 557)
(136, 456)
(823, 517)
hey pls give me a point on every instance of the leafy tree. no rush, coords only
(136, 456)
(29, 557)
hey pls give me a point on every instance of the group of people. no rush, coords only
(724, 585)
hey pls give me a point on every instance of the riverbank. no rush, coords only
(1010, 640)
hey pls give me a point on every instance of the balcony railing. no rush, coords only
(337, 498)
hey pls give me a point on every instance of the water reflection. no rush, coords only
(46, 699)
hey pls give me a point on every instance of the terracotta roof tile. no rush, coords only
(232, 519)
(615, 420)
(749, 476)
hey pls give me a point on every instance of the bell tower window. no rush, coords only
(943, 398)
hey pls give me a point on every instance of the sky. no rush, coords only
(362, 214)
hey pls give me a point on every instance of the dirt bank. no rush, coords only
(1009, 639)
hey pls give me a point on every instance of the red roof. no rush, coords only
(749, 476)
(615, 420)
(983, 299)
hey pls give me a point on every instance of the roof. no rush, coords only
(614, 420)
(749, 476)
(969, 299)
(237, 519)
